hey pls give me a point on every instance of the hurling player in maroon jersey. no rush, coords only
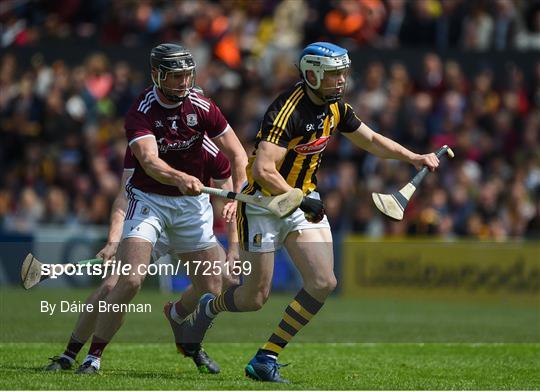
(217, 172)
(165, 128)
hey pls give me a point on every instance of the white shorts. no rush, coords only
(261, 231)
(187, 220)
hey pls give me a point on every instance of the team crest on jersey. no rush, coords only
(313, 147)
(145, 210)
(191, 119)
(257, 240)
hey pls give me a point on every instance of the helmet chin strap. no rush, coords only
(173, 98)
(317, 94)
(332, 99)
(315, 89)
(326, 99)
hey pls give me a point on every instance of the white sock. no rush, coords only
(174, 314)
(95, 361)
(71, 360)
(208, 311)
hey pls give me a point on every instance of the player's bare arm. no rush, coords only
(233, 247)
(266, 174)
(230, 145)
(265, 168)
(383, 147)
(229, 209)
(118, 212)
(229, 213)
(146, 152)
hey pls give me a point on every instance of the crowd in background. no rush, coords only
(235, 27)
(61, 126)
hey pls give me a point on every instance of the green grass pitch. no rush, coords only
(374, 342)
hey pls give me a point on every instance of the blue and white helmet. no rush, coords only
(320, 57)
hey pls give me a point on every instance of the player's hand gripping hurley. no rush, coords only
(393, 205)
(281, 205)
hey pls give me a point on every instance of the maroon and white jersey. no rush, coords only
(215, 164)
(179, 132)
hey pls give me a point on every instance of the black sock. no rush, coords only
(73, 347)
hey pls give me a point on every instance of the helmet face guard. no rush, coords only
(321, 58)
(173, 71)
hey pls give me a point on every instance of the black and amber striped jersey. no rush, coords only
(293, 121)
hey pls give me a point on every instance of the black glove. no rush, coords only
(313, 209)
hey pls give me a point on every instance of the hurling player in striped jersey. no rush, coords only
(289, 146)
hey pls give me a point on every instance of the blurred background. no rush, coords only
(425, 73)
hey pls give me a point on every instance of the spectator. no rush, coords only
(504, 28)
(477, 28)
